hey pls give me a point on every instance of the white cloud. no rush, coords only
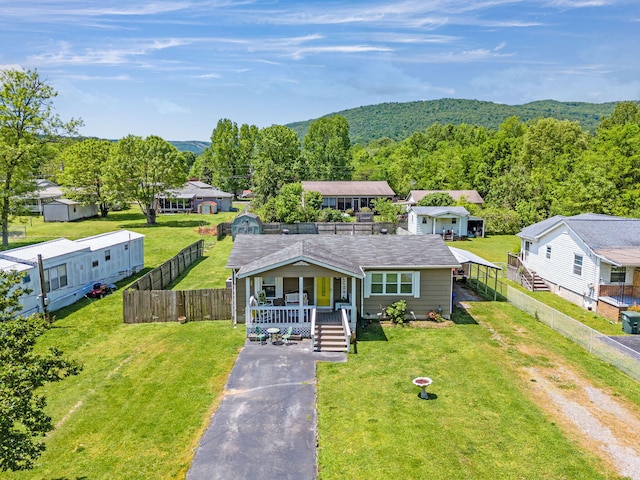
(165, 107)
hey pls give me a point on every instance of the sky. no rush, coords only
(173, 68)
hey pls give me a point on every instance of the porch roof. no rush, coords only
(304, 250)
(341, 251)
(441, 211)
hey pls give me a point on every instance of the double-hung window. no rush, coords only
(549, 251)
(577, 264)
(393, 283)
(55, 278)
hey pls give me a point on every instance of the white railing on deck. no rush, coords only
(313, 330)
(270, 315)
(346, 328)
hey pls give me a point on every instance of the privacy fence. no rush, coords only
(606, 348)
(147, 300)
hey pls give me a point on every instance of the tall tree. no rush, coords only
(141, 170)
(85, 165)
(327, 151)
(277, 161)
(27, 123)
(23, 370)
(230, 155)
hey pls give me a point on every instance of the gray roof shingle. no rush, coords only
(371, 251)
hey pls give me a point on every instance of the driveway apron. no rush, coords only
(265, 426)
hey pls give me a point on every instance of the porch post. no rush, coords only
(300, 299)
(247, 313)
(354, 318)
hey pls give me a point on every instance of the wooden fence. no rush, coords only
(161, 277)
(141, 306)
(147, 300)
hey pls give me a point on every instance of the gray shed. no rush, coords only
(246, 223)
(65, 210)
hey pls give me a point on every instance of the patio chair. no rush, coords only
(287, 335)
(259, 335)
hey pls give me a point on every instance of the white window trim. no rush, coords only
(415, 284)
(575, 264)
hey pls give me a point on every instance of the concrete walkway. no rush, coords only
(265, 426)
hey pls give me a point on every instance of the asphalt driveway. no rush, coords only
(265, 426)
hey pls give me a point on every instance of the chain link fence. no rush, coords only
(606, 348)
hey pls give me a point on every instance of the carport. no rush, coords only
(466, 257)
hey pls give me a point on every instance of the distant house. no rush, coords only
(71, 268)
(345, 195)
(65, 210)
(470, 196)
(591, 260)
(195, 197)
(45, 192)
(449, 221)
(303, 281)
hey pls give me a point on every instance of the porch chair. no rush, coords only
(259, 335)
(286, 336)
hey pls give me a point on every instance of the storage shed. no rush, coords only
(246, 223)
(65, 210)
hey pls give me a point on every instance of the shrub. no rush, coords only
(397, 311)
(349, 211)
(435, 316)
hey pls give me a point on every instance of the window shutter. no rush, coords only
(367, 285)
(416, 284)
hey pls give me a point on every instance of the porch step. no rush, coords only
(330, 338)
(539, 285)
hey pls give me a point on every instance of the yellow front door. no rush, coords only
(323, 291)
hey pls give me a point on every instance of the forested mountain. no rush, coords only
(399, 120)
(194, 146)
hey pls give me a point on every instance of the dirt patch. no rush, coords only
(607, 426)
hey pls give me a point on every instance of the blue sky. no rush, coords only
(173, 68)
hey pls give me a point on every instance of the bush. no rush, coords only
(435, 316)
(330, 215)
(397, 311)
(349, 211)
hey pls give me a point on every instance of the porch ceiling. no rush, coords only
(301, 251)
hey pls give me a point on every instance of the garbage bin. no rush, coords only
(630, 321)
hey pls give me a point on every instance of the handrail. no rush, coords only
(347, 329)
(313, 330)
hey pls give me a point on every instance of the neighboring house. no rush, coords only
(449, 221)
(46, 192)
(72, 267)
(592, 260)
(195, 197)
(65, 210)
(346, 195)
(353, 276)
(470, 196)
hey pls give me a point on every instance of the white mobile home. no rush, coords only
(454, 221)
(65, 210)
(69, 271)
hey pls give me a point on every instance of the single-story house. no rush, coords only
(65, 210)
(452, 222)
(72, 267)
(195, 197)
(592, 260)
(341, 278)
(471, 196)
(346, 195)
(46, 191)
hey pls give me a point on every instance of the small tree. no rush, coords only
(23, 370)
(387, 210)
(437, 199)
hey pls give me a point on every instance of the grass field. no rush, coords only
(482, 424)
(147, 391)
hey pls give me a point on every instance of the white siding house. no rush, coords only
(443, 220)
(589, 259)
(69, 271)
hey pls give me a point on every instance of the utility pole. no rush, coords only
(43, 290)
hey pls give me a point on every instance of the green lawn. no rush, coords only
(482, 424)
(146, 392)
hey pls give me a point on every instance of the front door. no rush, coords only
(323, 292)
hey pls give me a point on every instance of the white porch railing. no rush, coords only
(346, 328)
(312, 332)
(268, 316)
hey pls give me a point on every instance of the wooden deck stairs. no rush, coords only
(539, 285)
(330, 337)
